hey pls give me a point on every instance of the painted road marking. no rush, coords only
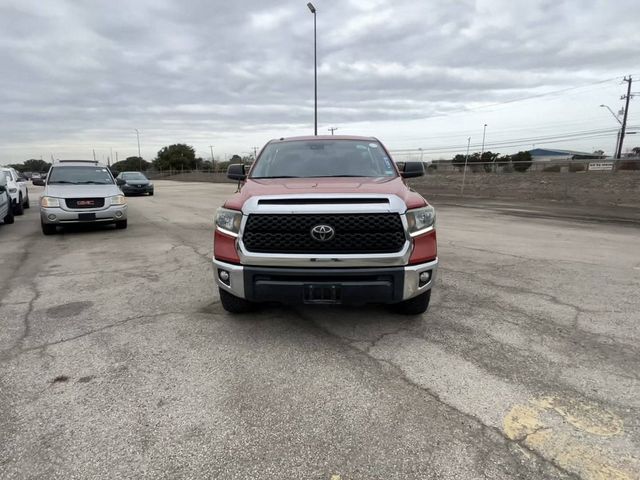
(575, 435)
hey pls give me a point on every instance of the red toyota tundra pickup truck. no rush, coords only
(325, 220)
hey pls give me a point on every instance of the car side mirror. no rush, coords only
(412, 169)
(38, 182)
(120, 181)
(236, 172)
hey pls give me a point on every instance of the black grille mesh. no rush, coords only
(81, 202)
(354, 233)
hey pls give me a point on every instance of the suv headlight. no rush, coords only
(118, 200)
(49, 202)
(13, 190)
(421, 219)
(228, 220)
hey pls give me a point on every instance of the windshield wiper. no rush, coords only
(337, 176)
(63, 181)
(275, 176)
(92, 183)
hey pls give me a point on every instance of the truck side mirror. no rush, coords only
(412, 169)
(236, 172)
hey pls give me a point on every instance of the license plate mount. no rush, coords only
(322, 293)
(85, 217)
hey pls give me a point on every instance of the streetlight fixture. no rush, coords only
(312, 9)
(139, 156)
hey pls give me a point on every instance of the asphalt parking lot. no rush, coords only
(117, 360)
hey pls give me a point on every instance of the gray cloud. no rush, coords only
(81, 74)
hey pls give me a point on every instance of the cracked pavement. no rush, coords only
(117, 361)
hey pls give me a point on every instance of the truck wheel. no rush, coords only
(26, 201)
(8, 219)
(18, 208)
(233, 304)
(415, 305)
(49, 228)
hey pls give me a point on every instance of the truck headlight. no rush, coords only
(49, 202)
(421, 219)
(118, 200)
(228, 220)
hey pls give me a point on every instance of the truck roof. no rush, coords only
(324, 137)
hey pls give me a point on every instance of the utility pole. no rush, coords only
(94, 154)
(626, 97)
(484, 133)
(332, 129)
(255, 153)
(212, 160)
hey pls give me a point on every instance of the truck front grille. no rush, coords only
(84, 202)
(354, 233)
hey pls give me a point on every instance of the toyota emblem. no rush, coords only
(322, 233)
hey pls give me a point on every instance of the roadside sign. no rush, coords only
(601, 166)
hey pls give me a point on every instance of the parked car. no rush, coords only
(17, 187)
(325, 220)
(81, 191)
(6, 210)
(134, 183)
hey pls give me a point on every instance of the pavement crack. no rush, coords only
(403, 376)
(12, 354)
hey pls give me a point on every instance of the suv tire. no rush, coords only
(233, 304)
(9, 219)
(18, 208)
(414, 306)
(121, 224)
(49, 228)
(26, 201)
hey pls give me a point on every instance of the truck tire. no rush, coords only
(8, 219)
(414, 306)
(48, 228)
(233, 304)
(18, 208)
(26, 201)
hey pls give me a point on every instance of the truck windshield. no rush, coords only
(323, 158)
(80, 175)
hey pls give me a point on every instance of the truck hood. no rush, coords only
(81, 191)
(346, 185)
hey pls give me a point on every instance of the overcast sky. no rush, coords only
(82, 75)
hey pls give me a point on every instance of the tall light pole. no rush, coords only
(315, 71)
(212, 161)
(484, 133)
(139, 157)
(466, 160)
(615, 153)
(332, 129)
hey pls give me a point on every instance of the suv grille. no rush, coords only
(354, 233)
(84, 202)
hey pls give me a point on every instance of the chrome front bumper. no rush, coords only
(59, 216)
(409, 275)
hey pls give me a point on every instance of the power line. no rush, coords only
(533, 139)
